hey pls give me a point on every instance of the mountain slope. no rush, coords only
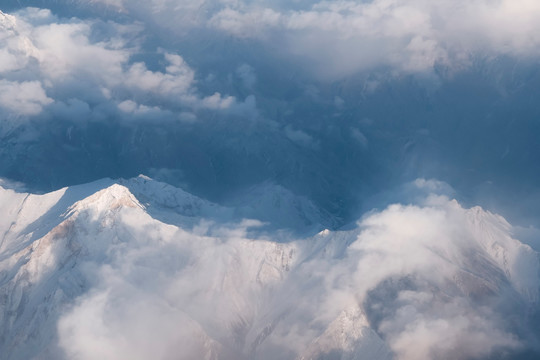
(138, 269)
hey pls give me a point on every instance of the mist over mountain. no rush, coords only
(139, 269)
(332, 137)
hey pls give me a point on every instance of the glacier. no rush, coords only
(140, 269)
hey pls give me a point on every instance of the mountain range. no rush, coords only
(140, 269)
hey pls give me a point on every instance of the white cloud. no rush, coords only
(65, 51)
(8, 61)
(23, 98)
(72, 60)
(454, 331)
(119, 4)
(437, 245)
(129, 106)
(177, 80)
(246, 24)
(338, 38)
(141, 328)
(342, 37)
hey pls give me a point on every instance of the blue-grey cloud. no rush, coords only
(335, 39)
(117, 88)
(52, 60)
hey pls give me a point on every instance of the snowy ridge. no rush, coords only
(274, 205)
(515, 259)
(170, 197)
(349, 337)
(92, 265)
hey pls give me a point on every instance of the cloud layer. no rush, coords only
(406, 35)
(52, 63)
(340, 38)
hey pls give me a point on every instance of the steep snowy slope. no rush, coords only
(272, 204)
(137, 269)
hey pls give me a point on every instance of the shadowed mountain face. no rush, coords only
(466, 132)
(198, 105)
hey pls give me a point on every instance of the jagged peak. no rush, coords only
(109, 198)
(155, 193)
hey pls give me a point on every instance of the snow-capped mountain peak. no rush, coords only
(165, 273)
